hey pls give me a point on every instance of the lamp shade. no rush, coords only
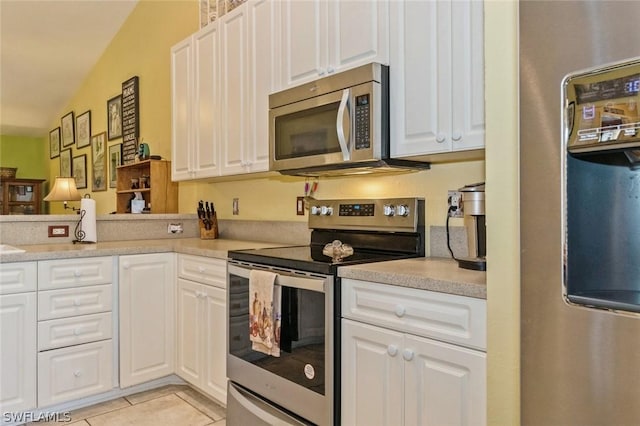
(64, 189)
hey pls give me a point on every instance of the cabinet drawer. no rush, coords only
(446, 317)
(204, 270)
(68, 273)
(18, 277)
(64, 332)
(74, 301)
(74, 372)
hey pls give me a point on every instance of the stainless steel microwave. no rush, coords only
(334, 125)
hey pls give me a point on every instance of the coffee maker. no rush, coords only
(474, 222)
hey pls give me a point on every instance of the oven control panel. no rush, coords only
(396, 214)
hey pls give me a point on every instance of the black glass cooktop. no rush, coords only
(310, 258)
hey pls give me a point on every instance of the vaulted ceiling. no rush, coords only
(47, 48)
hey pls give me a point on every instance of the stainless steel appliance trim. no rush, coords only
(284, 278)
(308, 404)
(578, 365)
(374, 152)
(336, 82)
(260, 409)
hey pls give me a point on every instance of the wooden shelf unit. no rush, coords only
(21, 196)
(162, 194)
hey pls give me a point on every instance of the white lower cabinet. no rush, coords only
(201, 347)
(74, 372)
(147, 317)
(75, 329)
(17, 350)
(394, 377)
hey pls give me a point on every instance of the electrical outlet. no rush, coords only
(236, 206)
(174, 228)
(300, 206)
(454, 201)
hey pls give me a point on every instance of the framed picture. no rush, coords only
(65, 163)
(54, 143)
(115, 160)
(68, 130)
(114, 117)
(83, 130)
(99, 162)
(80, 170)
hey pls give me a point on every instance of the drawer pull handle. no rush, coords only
(77, 373)
(392, 350)
(407, 354)
(77, 331)
(201, 269)
(126, 265)
(400, 311)
(77, 273)
(76, 302)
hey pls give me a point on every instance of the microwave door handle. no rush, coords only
(346, 153)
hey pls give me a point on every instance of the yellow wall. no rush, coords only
(503, 241)
(141, 48)
(274, 198)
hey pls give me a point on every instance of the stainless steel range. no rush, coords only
(283, 358)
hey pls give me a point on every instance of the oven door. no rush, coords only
(301, 378)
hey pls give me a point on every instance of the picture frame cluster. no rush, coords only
(102, 156)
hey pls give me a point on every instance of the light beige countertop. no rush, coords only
(217, 248)
(435, 274)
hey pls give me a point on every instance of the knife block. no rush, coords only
(209, 234)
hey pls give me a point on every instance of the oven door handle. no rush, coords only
(283, 279)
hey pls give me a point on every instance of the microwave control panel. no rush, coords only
(601, 108)
(362, 122)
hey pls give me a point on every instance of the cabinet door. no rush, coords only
(262, 40)
(372, 375)
(303, 48)
(467, 74)
(147, 317)
(215, 342)
(190, 331)
(18, 352)
(444, 384)
(181, 100)
(358, 33)
(205, 102)
(419, 62)
(74, 372)
(234, 114)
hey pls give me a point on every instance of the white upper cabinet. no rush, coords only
(436, 77)
(221, 80)
(320, 37)
(261, 76)
(194, 93)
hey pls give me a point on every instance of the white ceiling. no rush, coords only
(47, 48)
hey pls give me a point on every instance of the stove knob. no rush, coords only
(389, 210)
(315, 210)
(402, 209)
(326, 211)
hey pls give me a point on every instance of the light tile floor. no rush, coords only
(173, 405)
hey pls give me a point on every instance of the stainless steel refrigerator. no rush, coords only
(580, 223)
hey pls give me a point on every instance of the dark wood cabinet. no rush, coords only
(21, 196)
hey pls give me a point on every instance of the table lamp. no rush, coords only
(64, 189)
